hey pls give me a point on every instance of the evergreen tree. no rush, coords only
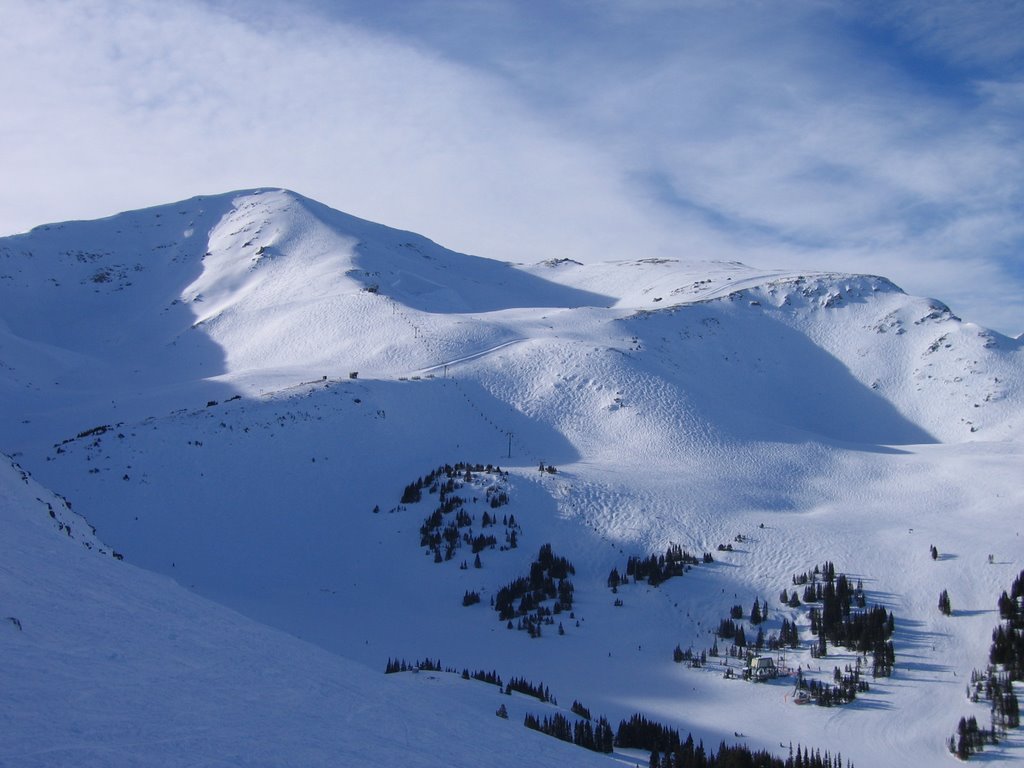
(741, 638)
(944, 605)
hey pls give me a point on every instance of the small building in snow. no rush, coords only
(762, 668)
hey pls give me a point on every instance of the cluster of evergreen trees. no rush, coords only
(669, 751)
(1008, 649)
(447, 472)
(867, 630)
(789, 636)
(578, 709)
(757, 612)
(427, 665)
(522, 685)
(815, 593)
(446, 479)
(444, 534)
(1016, 590)
(657, 568)
(730, 629)
(733, 629)
(412, 494)
(827, 572)
(595, 737)
(740, 756)
(995, 685)
(863, 631)
(432, 535)
(842, 691)
(491, 677)
(692, 660)
(945, 606)
(969, 739)
(1008, 638)
(496, 498)
(833, 618)
(525, 597)
(792, 600)
(640, 733)
(816, 581)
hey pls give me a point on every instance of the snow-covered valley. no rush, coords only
(235, 390)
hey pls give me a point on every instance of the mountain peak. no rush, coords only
(264, 284)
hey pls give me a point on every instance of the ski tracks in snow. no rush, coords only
(472, 356)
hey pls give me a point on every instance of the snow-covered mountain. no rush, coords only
(235, 391)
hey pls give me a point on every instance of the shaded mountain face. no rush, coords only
(235, 390)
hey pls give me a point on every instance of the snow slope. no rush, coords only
(820, 416)
(112, 665)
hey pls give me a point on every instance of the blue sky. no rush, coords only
(862, 137)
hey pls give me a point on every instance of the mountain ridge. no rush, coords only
(273, 251)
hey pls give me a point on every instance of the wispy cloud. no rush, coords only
(885, 138)
(977, 34)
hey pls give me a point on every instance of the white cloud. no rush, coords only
(986, 32)
(129, 106)
(767, 133)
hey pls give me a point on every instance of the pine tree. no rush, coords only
(944, 605)
(741, 638)
(963, 748)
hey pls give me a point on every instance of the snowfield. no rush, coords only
(113, 665)
(235, 390)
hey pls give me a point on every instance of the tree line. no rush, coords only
(995, 684)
